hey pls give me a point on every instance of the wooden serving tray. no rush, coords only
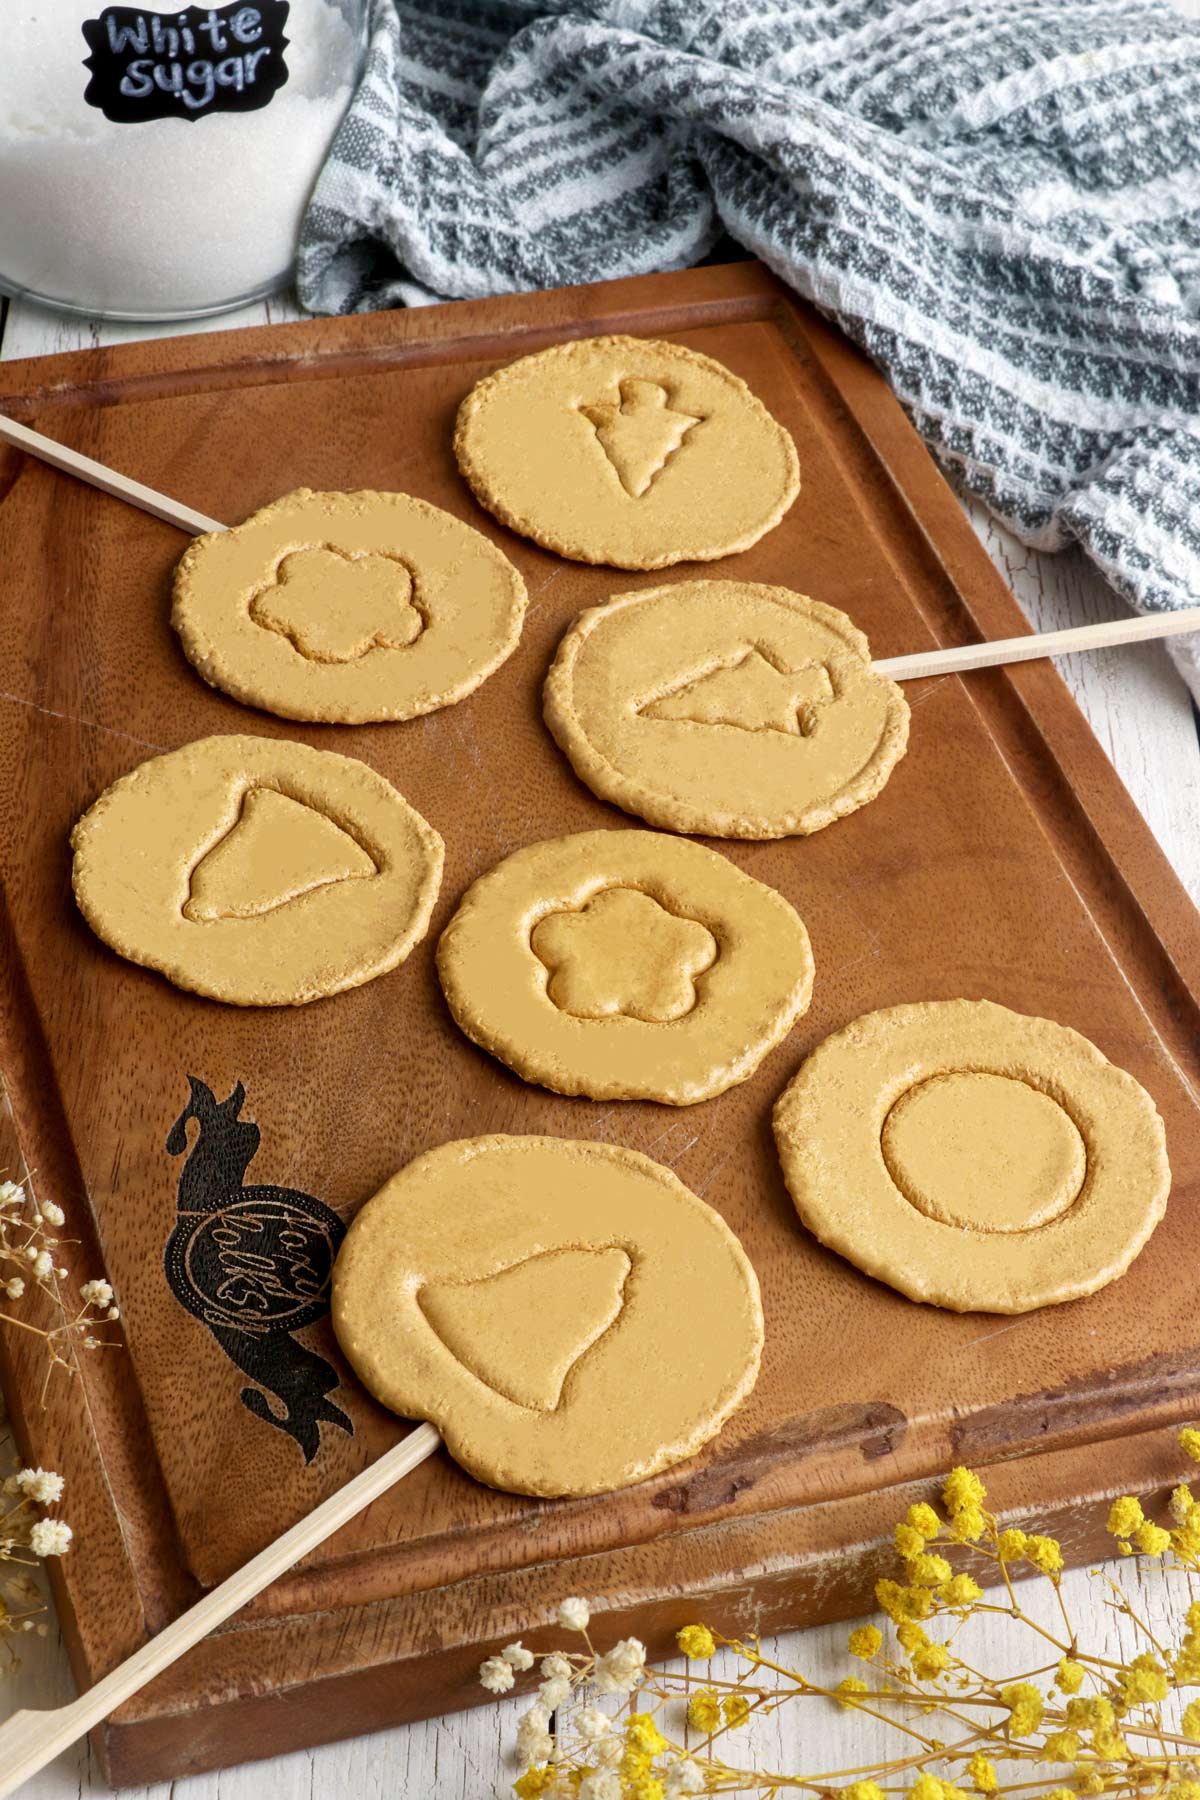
(1003, 860)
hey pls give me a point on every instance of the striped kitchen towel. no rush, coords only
(998, 199)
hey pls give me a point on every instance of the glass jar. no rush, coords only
(156, 165)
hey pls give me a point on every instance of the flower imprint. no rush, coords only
(334, 606)
(623, 953)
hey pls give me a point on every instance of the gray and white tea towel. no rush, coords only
(998, 199)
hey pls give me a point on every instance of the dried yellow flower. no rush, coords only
(533, 1782)
(929, 1571)
(1011, 1545)
(961, 1591)
(909, 1541)
(846, 1690)
(1189, 1440)
(1181, 1502)
(646, 1787)
(642, 1734)
(736, 1709)
(1144, 1682)
(634, 1763)
(704, 1710)
(1045, 1553)
(1109, 1745)
(1061, 1747)
(1187, 1538)
(1069, 1678)
(929, 1660)
(925, 1787)
(962, 1489)
(1090, 1781)
(1025, 1708)
(889, 1597)
(1151, 1539)
(968, 1525)
(1125, 1516)
(1183, 1790)
(696, 1641)
(1190, 1722)
(922, 1518)
(863, 1790)
(1061, 1793)
(981, 1773)
(865, 1641)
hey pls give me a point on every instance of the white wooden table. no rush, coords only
(1142, 714)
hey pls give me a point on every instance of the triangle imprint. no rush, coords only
(277, 849)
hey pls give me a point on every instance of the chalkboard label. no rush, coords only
(185, 65)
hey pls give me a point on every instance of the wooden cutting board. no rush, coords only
(1003, 860)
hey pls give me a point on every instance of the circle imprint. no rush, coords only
(257, 871)
(625, 965)
(984, 1152)
(516, 1291)
(937, 1146)
(627, 451)
(347, 608)
(725, 707)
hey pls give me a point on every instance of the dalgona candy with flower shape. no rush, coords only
(569, 1315)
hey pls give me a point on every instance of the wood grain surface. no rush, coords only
(1003, 860)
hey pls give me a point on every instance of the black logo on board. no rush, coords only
(185, 65)
(254, 1263)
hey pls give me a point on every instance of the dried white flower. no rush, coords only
(600, 1784)
(552, 1693)
(96, 1293)
(517, 1656)
(43, 1265)
(556, 1666)
(42, 1485)
(592, 1723)
(574, 1614)
(11, 1194)
(53, 1214)
(534, 1743)
(622, 1669)
(14, 1287)
(114, 1312)
(607, 1750)
(496, 1675)
(50, 1537)
(683, 1777)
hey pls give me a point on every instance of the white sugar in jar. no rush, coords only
(166, 176)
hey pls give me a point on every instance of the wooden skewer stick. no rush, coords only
(958, 660)
(962, 657)
(29, 1740)
(109, 481)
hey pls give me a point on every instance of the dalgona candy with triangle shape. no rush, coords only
(257, 871)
